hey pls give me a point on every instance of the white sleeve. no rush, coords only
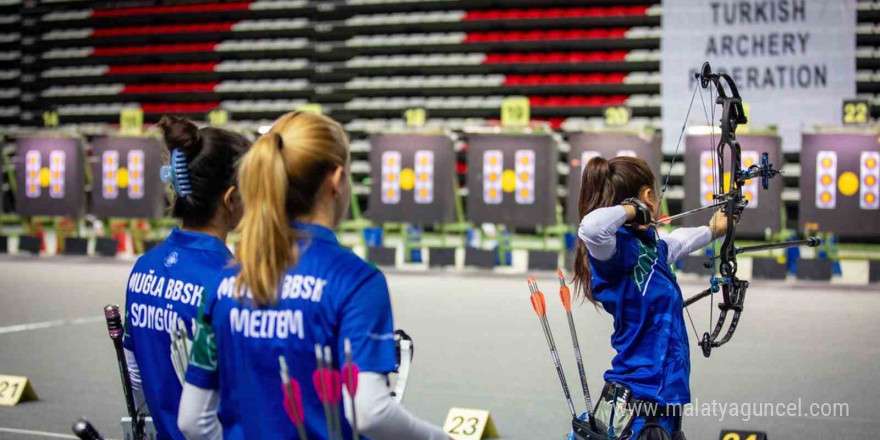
(197, 416)
(379, 417)
(683, 241)
(134, 375)
(598, 229)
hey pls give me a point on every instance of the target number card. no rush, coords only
(730, 434)
(515, 112)
(131, 121)
(469, 424)
(15, 389)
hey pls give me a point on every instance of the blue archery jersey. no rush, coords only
(637, 287)
(330, 295)
(167, 284)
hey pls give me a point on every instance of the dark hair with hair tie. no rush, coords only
(605, 183)
(211, 157)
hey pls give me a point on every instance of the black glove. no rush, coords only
(643, 213)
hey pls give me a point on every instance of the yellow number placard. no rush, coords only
(616, 116)
(131, 121)
(310, 107)
(50, 118)
(742, 435)
(515, 112)
(218, 117)
(469, 424)
(856, 112)
(415, 117)
(15, 389)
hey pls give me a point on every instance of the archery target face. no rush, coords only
(129, 181)
(839, 184)
(493, 171)
(53, 176)
(826, 180)
(423, 192)
(869, 170)
(412, 176)
(391, 177)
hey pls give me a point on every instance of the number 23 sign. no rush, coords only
(469, 424)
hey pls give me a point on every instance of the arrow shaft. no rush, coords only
(687, 213)
(580, 365)
(555, 354)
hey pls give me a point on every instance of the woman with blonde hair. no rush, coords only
(293, 287)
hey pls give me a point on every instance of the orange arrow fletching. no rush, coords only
(565, 296)
(538, 304)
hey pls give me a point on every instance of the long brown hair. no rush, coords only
(606, 183)
(279, 179)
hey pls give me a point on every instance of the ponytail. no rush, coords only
(267, 242)
(605, 183)
(280, 180)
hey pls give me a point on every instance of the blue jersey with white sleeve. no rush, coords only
(330, 295)
(637, 287)
(167, 284)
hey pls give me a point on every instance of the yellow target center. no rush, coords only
(826, 197)
(122, 178)
(407, 179)
(870, 180)
(871, 162)
(508, 181)
(45, 177)
(870, 198)
(826, 180)
(848, 183)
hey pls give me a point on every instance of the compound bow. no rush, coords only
(732, 202)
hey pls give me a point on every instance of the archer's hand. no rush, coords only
(718, 224)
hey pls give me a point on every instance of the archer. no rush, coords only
(623, 265)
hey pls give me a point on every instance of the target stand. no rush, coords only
(511, 182)
(840, 184)
(412, 183)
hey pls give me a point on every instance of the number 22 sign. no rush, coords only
(469, 424)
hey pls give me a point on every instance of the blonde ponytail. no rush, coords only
(266, 247)
(279, 180)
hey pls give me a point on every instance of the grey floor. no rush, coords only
(478, 345)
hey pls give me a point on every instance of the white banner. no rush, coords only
(794, 61)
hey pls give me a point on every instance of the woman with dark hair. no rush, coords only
(622, 265)
(167, 283)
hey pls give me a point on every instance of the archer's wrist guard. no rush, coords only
(643, 213)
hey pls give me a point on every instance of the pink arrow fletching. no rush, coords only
(332, 389)
(334, 380)
(350, 370)
(295, 416)
(317, 381)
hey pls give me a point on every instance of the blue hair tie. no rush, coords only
(177, 173)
